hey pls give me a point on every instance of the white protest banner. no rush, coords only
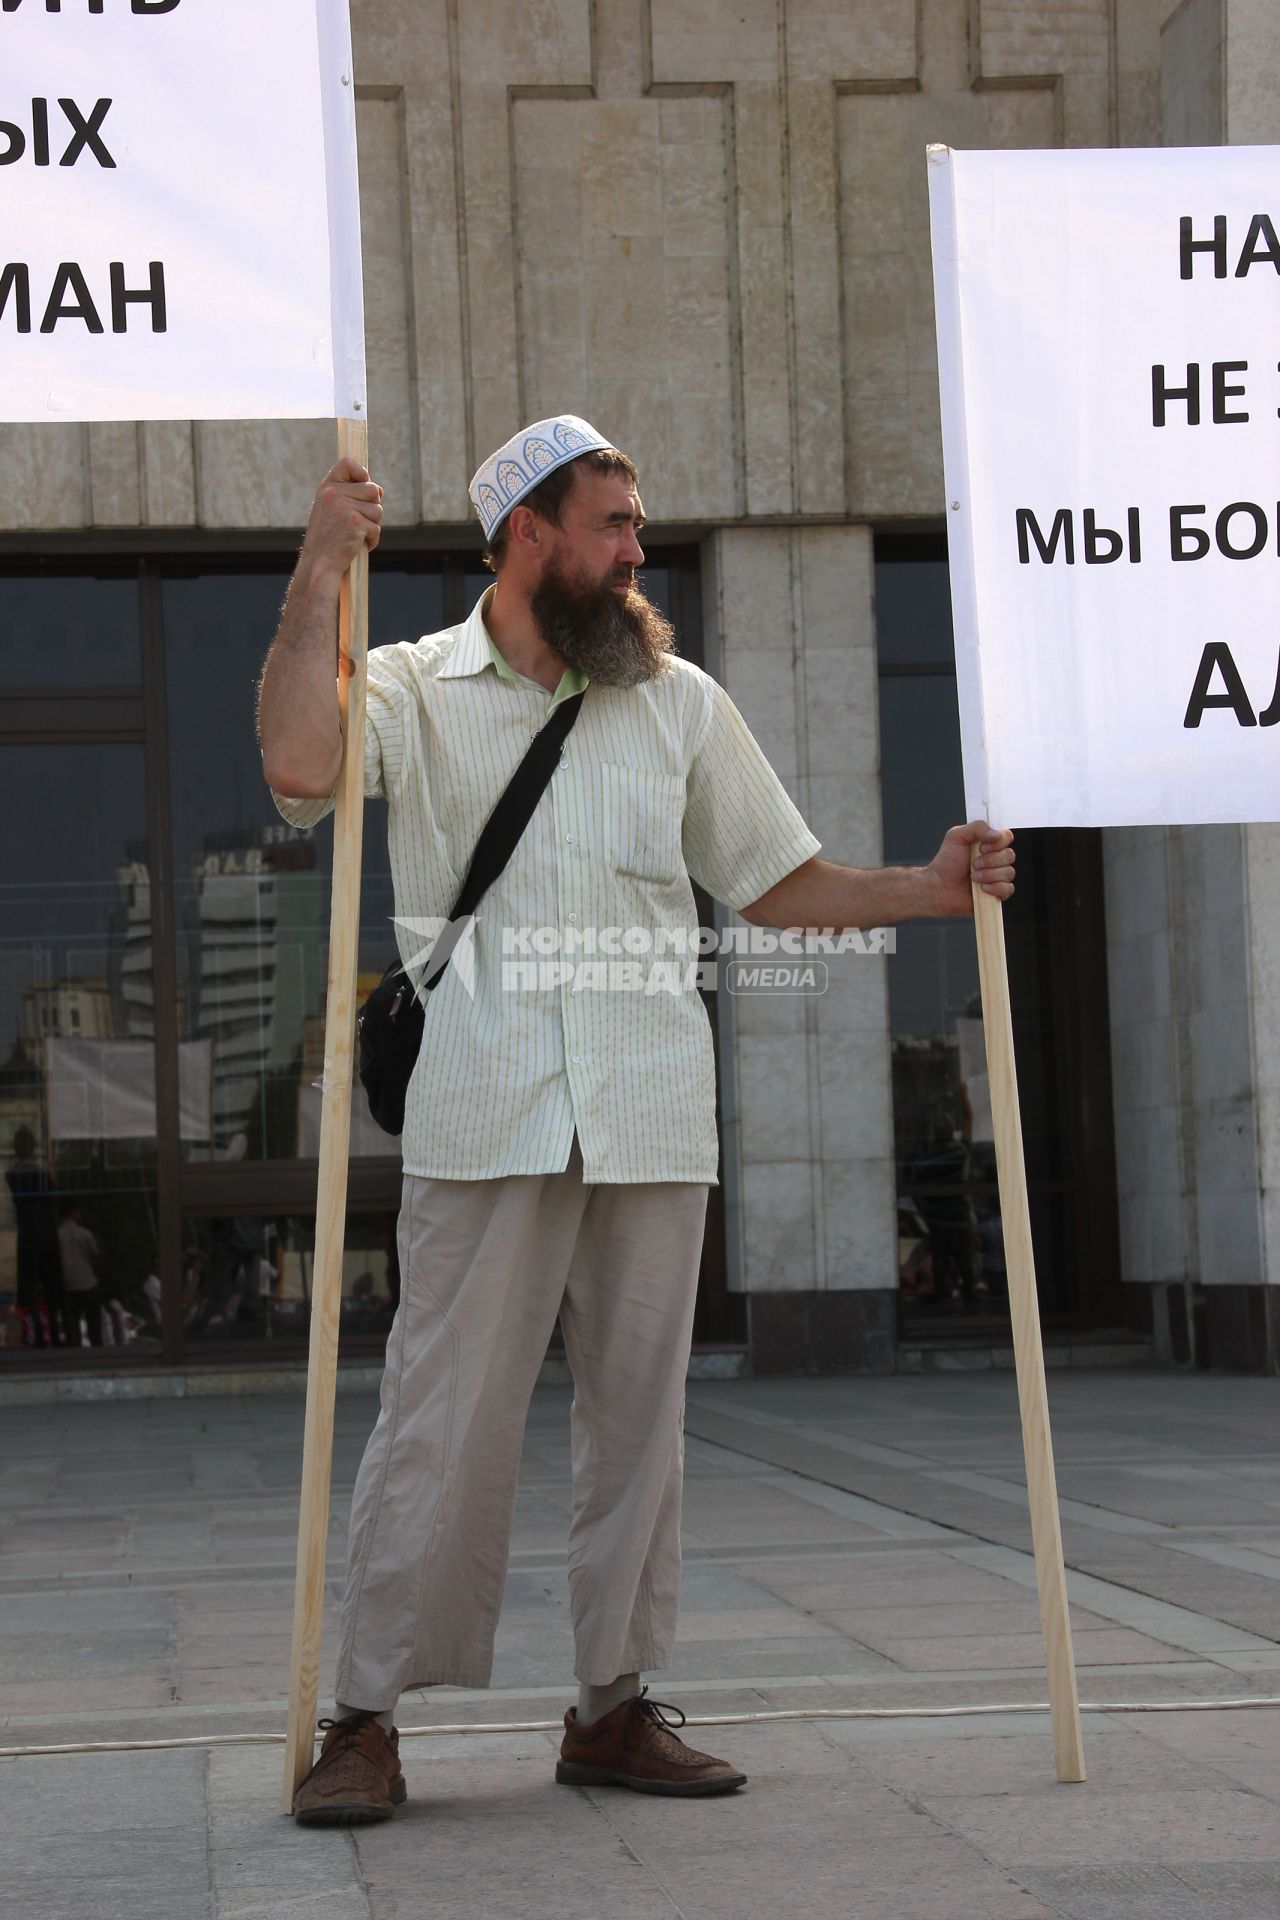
(180, 240)
(1108, 337)
(180, 235)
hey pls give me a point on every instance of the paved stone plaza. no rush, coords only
(852, 1543)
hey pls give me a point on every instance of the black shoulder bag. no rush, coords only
(389, 1029)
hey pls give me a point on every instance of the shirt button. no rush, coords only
(577, 1059)
(570, 840)
(572, 916)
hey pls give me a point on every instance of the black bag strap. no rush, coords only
(501, 832)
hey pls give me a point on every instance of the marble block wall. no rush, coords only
(809, 1174)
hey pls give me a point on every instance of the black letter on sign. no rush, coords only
(16, 279)
(1063, 528)
(1272, 714)
(1218, 654)
(1222, 530)
(1260, 243)
(1190, 393)
(1217, 246)
(154, 6)
(40, 132)
(70, 278)
(85, 133)
(15, 143)
(153, 297)
(1222, 392)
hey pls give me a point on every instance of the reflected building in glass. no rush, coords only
(233, 954)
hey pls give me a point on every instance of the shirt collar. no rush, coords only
(475, 650)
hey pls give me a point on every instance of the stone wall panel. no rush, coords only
(1071, 39)
(168, 475)
(115, 492)
(434, 271)
(389, 339)
(890, 352)
(44, 478)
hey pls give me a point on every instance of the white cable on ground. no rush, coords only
(694, 1720)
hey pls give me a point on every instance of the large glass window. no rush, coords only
(163, 950)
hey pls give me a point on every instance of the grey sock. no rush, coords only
(595, 1702)
(385, 1720)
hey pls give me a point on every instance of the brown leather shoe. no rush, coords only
(357, 1778)
(634, 1746)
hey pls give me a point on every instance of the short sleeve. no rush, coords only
(387, 712)
(742, 831)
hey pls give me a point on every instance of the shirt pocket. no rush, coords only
(642, 819)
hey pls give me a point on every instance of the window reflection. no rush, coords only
(248, 1279)
(251, 892)
(69, 630)
(77, 1079)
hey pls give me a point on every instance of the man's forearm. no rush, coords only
(821, 894)
(298, 721)
(298, 698)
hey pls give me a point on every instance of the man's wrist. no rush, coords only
(317, 578)
(929, 894)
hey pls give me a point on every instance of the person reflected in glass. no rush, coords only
(41, 1297)
(938, 1177)
(192, 1280)
(231, 1280)
(81, 1261)
(152, 1290)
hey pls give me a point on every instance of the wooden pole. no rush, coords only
(335, 1134)
(1028, 1352)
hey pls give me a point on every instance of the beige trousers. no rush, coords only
(485, 1267)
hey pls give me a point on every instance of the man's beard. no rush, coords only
(618, 640)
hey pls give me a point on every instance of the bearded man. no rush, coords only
(558, 1146)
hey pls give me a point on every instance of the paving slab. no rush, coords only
(856, 1544)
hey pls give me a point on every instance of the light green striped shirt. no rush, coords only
(534, 1030)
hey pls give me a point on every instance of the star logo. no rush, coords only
(450, 941)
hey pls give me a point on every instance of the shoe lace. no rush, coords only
(349, 1728)
(657, 1711)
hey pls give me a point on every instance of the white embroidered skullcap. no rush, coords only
(528, 457)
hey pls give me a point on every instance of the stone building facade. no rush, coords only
(703, 224)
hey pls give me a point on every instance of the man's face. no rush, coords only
(587, 604)
(597, 543)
